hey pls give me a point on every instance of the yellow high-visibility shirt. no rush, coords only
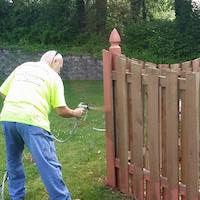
(32, 90)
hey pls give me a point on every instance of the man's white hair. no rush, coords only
(50, 56)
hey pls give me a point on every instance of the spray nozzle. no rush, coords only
(83, 105)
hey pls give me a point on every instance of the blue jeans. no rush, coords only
(41, 145)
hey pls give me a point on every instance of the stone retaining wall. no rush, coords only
(75, 67)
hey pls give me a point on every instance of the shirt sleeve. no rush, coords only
(57, 96)
(5, 87)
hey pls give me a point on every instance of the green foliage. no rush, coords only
(119, 13)
(161, 9)
(138, 10)
(79, 14)
(162, 42)
(47, 22)
(100, 16)
(72, 26)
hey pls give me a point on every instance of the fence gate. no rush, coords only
(152, 126)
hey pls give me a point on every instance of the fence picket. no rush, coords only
(172, 135)
(115, 106)
(122, 123)
(108, 109)
(186, 66)
(192, 130)
(183, 137)
(137, 137)
(153, 132)
(163, 136)
(196, 65)
(162, 110)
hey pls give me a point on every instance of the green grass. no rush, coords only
(82, 157)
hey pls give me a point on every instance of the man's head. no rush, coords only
(53, 59)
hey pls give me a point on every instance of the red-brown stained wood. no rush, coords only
(163, 68)
(148, 190)
(115, 42)
(163, 133)
(196, 65)
(146, 145)
(172, 135)
(162, 117)
(176, 67)
(145, 95)
(153, 132)
(122, 119)
(183, 136)
(150, 65)
(130, 124)
(192, 130)
(140, 62)
(186, 67)
(115, 49)
(116, 122)
(109, 118)
(138, 136)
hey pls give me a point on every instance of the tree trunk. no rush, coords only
(80, 13)
(179, 5)
(101, 15)
(144, 10)
(136, 7)
(183, 8)
(183, 11)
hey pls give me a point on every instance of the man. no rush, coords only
(31, 91)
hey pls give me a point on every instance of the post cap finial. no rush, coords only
(115, 42)
(114, 37)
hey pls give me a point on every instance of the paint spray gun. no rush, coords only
(86, 108)
(83, 105)
(76, 123)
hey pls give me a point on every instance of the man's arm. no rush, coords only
(5, 87)
(66, 112)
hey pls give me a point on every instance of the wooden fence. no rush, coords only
(152, 126)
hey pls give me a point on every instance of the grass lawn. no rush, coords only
(82, 156)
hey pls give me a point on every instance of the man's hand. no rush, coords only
(65, 112)
(78, 112)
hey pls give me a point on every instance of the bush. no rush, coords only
(162, 41)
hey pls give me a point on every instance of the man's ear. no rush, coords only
(56, 62)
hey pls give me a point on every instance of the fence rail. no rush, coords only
(152, 126)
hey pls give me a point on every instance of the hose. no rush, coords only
(72, 131)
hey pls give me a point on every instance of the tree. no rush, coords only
(136, 7)
(183, 8)
(138, 10)
(183, 12)
(79, 17)
(101, 16)
(4, 15)
(118, 14)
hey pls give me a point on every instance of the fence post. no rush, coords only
(108, 65)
